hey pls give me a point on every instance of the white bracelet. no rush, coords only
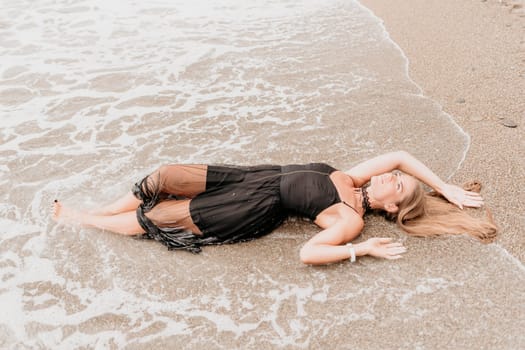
(352, 252)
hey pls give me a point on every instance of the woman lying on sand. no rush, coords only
(188, 206)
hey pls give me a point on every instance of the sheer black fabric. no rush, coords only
(228, 204)
(238, 204)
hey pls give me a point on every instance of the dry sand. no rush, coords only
(470, 57)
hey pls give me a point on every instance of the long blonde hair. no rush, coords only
(426, 214)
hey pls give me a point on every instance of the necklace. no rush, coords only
(365, 203)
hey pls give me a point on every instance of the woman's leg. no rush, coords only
(172, 214)
(120, 216)
(124, 204)
(180, 180)
(124, 223)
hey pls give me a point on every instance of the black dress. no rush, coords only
(244, 203)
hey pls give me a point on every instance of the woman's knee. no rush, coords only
(186, 180)
(170, 212)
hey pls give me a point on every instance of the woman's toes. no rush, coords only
(57, 206)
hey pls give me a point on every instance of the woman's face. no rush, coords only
(391, 188)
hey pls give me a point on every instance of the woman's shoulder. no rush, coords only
(342, 214)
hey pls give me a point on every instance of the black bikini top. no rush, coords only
(307, 190)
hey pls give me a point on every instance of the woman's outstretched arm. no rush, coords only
(328, 246)
(407, 163)
(400, 160)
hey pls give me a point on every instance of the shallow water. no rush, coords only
(95, 94)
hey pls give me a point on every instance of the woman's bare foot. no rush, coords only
(65, 215)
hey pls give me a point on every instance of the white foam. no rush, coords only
(507, 256)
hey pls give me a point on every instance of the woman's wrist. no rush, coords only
(351, 249)
(440, 187)
(361, 248)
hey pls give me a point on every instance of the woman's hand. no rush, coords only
(384, 248)
(460, 197)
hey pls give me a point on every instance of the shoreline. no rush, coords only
(470, 58)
